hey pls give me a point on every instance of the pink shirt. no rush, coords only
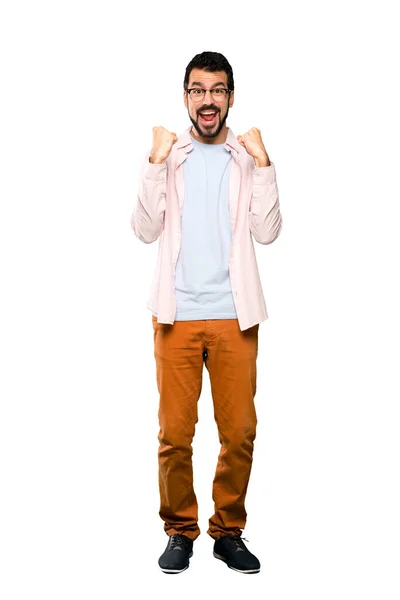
(254, 212)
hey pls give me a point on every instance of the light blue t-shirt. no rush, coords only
(202, 283)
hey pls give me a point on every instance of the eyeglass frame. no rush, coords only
(227, 90)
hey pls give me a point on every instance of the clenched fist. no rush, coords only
(253, 144)
(163, 140)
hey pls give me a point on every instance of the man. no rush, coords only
(206, 193)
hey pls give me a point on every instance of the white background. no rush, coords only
(83, 83)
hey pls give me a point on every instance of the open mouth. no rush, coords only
(208, 117)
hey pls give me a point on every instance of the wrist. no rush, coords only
(262, 161)
(156, 160)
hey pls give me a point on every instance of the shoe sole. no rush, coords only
(175, 571)
(249, 571)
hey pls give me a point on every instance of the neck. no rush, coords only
(219, 139)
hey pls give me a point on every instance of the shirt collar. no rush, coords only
(185, 139)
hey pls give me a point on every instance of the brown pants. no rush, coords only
(230, 357)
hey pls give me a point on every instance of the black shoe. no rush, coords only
(231, 549)
(175, 557)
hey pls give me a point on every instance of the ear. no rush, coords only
(185, 100)
(231, 99)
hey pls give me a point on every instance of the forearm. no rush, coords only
(147, 219)
(265, 218)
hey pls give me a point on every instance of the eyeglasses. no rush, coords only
(218, 94)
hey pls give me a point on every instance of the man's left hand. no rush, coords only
(254, 146)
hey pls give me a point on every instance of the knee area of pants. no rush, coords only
(175, 439)
(241, 434)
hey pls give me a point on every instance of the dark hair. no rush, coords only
(211, 62)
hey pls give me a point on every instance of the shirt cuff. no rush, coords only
(264, 175)
(156, 172)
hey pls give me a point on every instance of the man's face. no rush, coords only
(208, 81)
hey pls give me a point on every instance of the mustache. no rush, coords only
(208, 108)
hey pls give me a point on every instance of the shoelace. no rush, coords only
(179, 540)
(237, 541)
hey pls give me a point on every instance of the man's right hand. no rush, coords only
(163, 140)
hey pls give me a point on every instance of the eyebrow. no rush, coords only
(214, 85)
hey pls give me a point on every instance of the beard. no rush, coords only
(207, 133)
